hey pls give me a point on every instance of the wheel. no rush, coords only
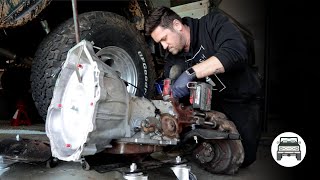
(118, 44)
(219, 156)
(85, 165)
(52, 162)
(298, 156)
(279, 156)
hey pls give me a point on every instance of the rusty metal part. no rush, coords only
(222, 122)
(18, 12)
(215, 126)
(136, 12)
(210, 134)
(205, 153)
(169, 125)
(146, 128)
(155, 139)
(185, 114)
(220, 156)
(150, 124)
(201, 121)
(124, 148)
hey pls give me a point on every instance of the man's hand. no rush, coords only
(179, 88)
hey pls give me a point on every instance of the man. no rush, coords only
(211, 47)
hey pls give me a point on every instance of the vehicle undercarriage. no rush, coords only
(92, 112)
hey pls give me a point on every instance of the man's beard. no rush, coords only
(179, 47)
(174, 51)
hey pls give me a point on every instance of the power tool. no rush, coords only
(200, 94)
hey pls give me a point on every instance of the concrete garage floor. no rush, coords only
(265, 168)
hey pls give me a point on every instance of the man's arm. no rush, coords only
(228, 42)
(202, 69)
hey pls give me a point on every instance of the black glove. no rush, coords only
(179, 88)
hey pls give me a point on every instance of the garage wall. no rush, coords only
(251, 14)
(286, 46)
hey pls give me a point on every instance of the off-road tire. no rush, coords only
(279, 157)
(298, 156)
(104, 29)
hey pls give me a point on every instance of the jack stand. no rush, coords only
(182, 171)
(134, 174)
(20, 117)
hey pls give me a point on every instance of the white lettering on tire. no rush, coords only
(145, 71)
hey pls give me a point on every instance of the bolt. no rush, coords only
(178, 159)
(133, 167)
(196, 139)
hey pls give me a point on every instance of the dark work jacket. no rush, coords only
(215, 35)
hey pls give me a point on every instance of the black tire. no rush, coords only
(105, 29)
(298, 156)
(279, 157)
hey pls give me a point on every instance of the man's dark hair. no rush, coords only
(160, 16)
